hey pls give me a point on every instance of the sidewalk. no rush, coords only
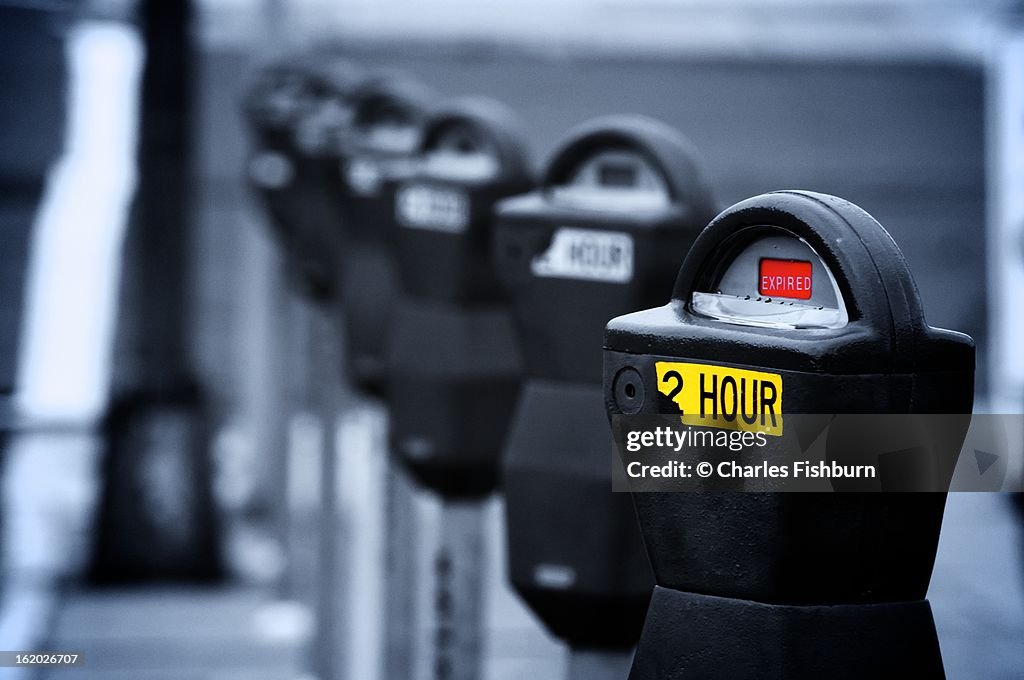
(181, 633)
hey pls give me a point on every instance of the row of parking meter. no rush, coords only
(411, 197)
(310, 116)
(299, 112)
(619, 206)
(295, 145)
(332, 141)
(457, 282)
(790, 585)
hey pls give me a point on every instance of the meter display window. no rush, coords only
(617, 180)
(772, 279)
(392, 136)
(618, 175)
(462, 155)
(385, 126)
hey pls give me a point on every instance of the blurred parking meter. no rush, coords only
(620, 205)
(454, 364)
(299, 111)
(800, 303)
(388, 114)
(388, 118)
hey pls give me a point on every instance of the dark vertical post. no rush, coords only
(157, 477)
(163, 210)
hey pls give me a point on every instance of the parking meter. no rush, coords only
(454, 360)
(388, 117)
(300, 112)
(620, 205)
(809, 296)
(389, 113)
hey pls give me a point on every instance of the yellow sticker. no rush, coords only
(723, 397)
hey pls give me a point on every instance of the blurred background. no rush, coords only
(190, 487)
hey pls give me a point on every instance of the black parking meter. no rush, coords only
(389, 113)
(454, 364)
(453, 361)
(299, 111)
(809, 296)
(620, 205)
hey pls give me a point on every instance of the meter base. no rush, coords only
(587, 576)
(454, 377)
(701, 636)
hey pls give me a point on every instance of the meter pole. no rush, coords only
(458, 595)
(325, 406)
(380, 550)
(400, 561)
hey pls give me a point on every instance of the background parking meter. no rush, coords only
(389, 113)
(388, 118)
(790, 585)
(454, 360)
(621, 203)
(299, 111)
(454, 364)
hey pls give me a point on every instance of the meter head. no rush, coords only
(389, 114)
(801, 280)
(278, 96)
(474, 141)
(628, 165)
